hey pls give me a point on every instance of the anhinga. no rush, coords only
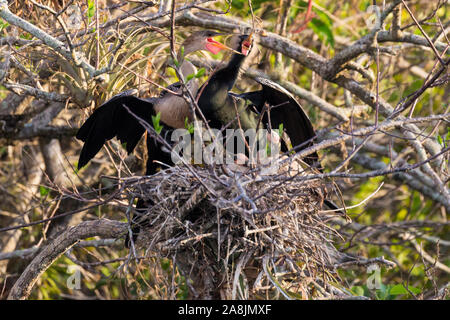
(219, 105)
(112, 119)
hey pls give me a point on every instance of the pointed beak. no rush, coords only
(215, 46)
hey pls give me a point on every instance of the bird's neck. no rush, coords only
(215, 94)
(232, 69)
(187, 68)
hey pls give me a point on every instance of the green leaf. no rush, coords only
(188, 126)
(440, 140)
(75, 167)
(383, 292)
(147, 51)
(272, 60)
(238, 4)
(124, 145)
(358, 290)
(3, 25)
(43, 191)
(156, 125)
(413, 87)
(323, 30)
(91, 10)
(165, 264)
(182, 51)
(323, 17)
(280, 130)
(400, 289)
(190, 76)
(200, 72)
(176, 62)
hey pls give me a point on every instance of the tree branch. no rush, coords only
(47, 39)
(102, 228)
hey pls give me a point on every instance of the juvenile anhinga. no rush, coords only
(112, 119)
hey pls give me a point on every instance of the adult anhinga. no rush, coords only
(112, 119)
(219, 105)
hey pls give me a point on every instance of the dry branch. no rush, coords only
(101, 228)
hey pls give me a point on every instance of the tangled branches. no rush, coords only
(377, 95)
(226, 247)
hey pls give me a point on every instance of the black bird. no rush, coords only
(219, 105)
(112, 119)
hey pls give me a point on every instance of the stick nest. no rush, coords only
(241, 235)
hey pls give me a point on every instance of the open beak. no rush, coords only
(246, 45)
(214, 46)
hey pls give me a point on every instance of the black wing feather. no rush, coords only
(111, 120)
(287, 111)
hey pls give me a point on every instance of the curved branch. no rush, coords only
(103, 228)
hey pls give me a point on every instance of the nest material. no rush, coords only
(237, 235)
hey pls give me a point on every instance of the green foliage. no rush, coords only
(188, 126)
(386, 292)
(401, 289)
(323, 27)
(43, 191)
(238, 4)
(3, 24)
(200, 72)
(146, 51)
(321, 24)
(176, 62)
(190, 76)
(280, 130)
(440, 140)
(182, 51)
(91, 10)
(26, 36)
(3, 92)
(197, 75)
(443, 141)
(156, 123)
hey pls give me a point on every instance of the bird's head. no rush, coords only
(204, 40)
(242, 43)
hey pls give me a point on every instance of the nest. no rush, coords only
(242, 235)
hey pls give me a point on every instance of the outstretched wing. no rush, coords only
(111, 120)
(285, 110)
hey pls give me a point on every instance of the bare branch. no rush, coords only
(98, 228)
